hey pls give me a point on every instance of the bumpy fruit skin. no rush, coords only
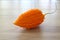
(30, 19)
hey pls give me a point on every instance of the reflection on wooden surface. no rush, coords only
(48, 30)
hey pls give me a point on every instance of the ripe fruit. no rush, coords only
(30, 19)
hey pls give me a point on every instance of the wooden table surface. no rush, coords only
(48, 30)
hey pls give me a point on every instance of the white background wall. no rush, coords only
(16, 7)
